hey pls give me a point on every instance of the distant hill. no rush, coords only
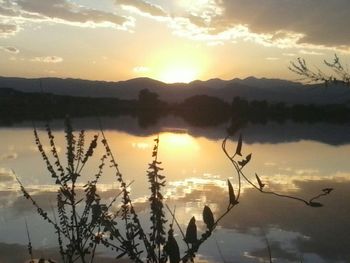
(251, 88)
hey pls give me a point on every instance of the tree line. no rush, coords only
(199, 110)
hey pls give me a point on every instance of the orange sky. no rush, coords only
(171, 41)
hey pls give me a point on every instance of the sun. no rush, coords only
(178, 73)
(179, 64)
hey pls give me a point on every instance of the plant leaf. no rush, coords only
(231, 193)
(239, 146)
(208, 217)
(191, 231)
(327, 190)
(315, 204)
(261, 185)
(249, 156)
(121, 255)
(245, 161)
(172, 249)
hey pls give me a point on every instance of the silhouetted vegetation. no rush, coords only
(203, 110)
(339, 75)
(149, 108)
(85, 221)
(15, 105)
(199, 110)
(149, 100)
(262, 111)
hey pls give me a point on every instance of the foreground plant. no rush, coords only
(78, 208)
(340, 74)
(85, 222)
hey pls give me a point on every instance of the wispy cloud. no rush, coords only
(310, 52)
(143, 7)
(47, 59)
(57, 11)
(141, 69)
(272, 58)
(215, 43)
(289, 54)
(7, 29)
(8, 156)
(6, 176)
(12, 50)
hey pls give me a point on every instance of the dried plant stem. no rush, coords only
(241, 174)
(30, 248)
(150, 252)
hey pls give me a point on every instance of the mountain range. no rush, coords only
(251, 88)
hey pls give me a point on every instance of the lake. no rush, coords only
(297, 159)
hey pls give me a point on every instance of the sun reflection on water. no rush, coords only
(177, 142)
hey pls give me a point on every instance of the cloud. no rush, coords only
(318, 22)
(67, 11)
(12, 50)
(6, 176)
(184, 27)
(8, 156)
(59, 11)
(270, 164)
(215, 43)
(48, 59)
(141, 69)
(272, 58)
(289, 54)
(273, 24)
(310, 52)
(313, 25)
(45, 196)
(280, 253)
(257, 210)
(7, 30)
(144, 7)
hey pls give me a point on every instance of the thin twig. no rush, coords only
(177, 223)
(30, 248)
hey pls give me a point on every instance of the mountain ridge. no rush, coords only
(250, 88)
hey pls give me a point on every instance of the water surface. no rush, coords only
(298, 159)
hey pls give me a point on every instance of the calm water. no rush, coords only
(298, 159)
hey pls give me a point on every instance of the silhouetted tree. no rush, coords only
(259, 111)
(239, 107)
(150, 108)
(148, 99)
(203, 110)
(340, 73)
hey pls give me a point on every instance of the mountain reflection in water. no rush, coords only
(292, 158)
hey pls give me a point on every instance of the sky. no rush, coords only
(171, 41)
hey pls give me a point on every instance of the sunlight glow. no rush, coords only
(140, 145)
(179, 64)
(178, 142)
(175, 74)
(176, 139)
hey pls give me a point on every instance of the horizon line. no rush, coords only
(168, 83)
